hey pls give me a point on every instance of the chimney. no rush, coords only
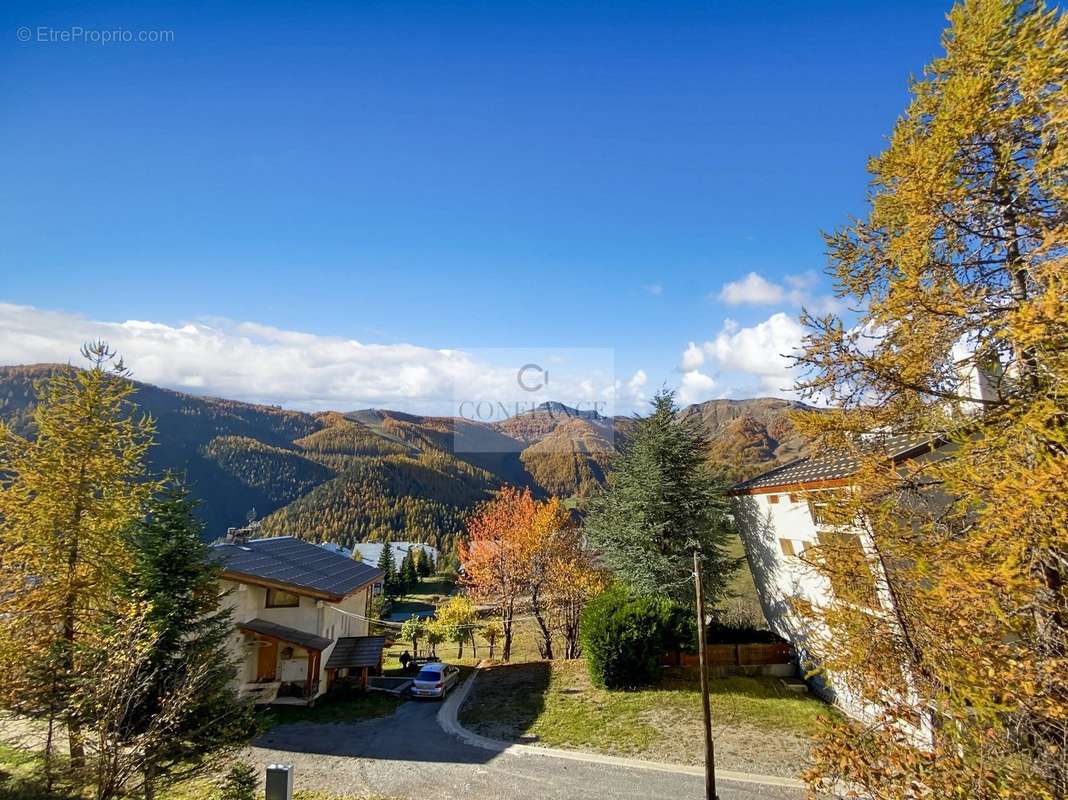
(978, 379)
(242, 535)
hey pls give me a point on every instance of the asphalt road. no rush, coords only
(408, 756)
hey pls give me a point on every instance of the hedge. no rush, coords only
(624, 636)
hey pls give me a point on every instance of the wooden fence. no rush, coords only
(736, 655)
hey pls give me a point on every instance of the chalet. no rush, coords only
(782, 513)
(300, 615)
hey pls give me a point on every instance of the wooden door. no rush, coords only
(267, 660)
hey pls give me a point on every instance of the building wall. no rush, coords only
(249, 601)
(782, 580)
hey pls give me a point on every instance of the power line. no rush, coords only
(393, 624)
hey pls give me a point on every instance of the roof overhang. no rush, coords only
(928, 445)
(282, 633)
(357, 651)
(293, 588)
(783, 488)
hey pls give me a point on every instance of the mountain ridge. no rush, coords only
(374, 474)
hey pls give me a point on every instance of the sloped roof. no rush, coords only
(371, 551)
(295, 563)
(285, 634)
(835, 465)
(356, 651)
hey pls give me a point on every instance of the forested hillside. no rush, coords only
(311, 475)
(573, 458)
(226, 482)
(422, 498)
(376, 474)
(748, 436)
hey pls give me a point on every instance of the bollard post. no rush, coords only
(279, 782)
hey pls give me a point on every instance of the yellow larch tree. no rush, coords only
(952, 614)
(67, 495)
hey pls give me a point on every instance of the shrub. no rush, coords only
(742, 611)
(240, 783)
(624, 637)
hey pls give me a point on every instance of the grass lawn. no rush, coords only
(424, 596)
(363, 705)
(435, 584)
(759, 726)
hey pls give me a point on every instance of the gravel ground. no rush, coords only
(407, 756)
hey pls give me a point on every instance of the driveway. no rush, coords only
(408, 756)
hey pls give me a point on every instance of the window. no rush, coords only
(276, 598)
(848, 569)
(787, 547)
(773, 498)
(819, 511)
(794, 498)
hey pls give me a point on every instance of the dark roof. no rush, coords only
(356, 651)
(837, 464)
(291, 635)
(296, 563)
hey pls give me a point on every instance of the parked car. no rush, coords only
(435, 680)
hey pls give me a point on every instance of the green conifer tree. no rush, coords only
(425, 563)
(175, 579)
(662, 503)
(389, 574)
(409, 578)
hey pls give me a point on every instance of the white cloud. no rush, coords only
(757, 356)
(803, 281)
(761, 351)
(755, 289)
(258, 363)
(692, 357)
(637, 381)
(629, 396)
(655, 289)
(694, 387)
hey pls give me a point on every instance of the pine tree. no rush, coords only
(191, 623)
(661, 504)
(389, 575)
(66, 498)
(409, 578)
(240, 783)
(425, 564)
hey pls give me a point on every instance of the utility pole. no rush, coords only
(710, 754)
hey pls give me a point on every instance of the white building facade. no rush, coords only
(780, 515)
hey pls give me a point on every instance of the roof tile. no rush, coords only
(292, 561)
(832, 465)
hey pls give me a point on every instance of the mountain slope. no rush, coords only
(377, 474)
(329, 473)
(228, 477)
(572, 459)
(748, 436)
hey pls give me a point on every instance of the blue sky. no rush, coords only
(438, 175)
